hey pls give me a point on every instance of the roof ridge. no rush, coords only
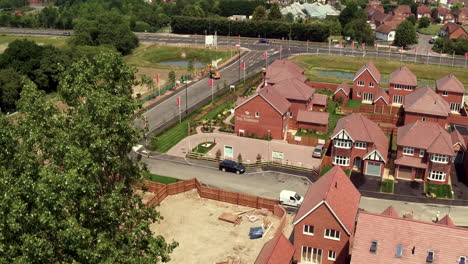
(367, 129)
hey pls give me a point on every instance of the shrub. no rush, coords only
(218, 155)
(259, 158)
(239, 158)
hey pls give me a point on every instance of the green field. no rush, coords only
(432, 29)
(353, 64)
(155, 54)
(170, 138)
(58, 42)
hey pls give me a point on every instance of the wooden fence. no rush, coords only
(305, 141)
(379, 118)
(381, 109)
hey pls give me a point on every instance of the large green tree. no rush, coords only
(359, 30)
(66, 177)
(11, 84)
(405, 34)
(259, 13)
(275, 12)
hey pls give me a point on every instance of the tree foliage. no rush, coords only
(66, 177)
(259, 13)
(351, 12)
(424, 22)
(275, 12)
(405, 34)
(11, 84)
(360, 31)
(459, 46)
(239, 7)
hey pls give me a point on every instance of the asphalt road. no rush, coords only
(269, 184)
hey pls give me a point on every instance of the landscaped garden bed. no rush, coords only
(204, 147)
(159, 178)
(387, 186)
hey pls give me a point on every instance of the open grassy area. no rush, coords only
(171, 137)
(324, 170)
(432, 29)
(353, 104)
(152, 56)
(58, 42)
(439, 190)
(353, 64)
(159, 178)
(387, 186)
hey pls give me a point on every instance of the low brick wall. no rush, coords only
(379, 118)
(321, 86)
(458, 119)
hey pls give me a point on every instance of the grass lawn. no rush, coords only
(58, 42)
(353, 104)
(324, 170)
(353, 64)
(155, 54)
(432, 29)
(439, 190)
(159, 178)
(171, 137)
(387, 186)
(226, 106)
(204, 147)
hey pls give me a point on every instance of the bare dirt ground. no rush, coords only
(193, 222)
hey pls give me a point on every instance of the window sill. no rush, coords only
(341, 147)
(332, 238)
(439, 162)
(406, 154)
(308, 234)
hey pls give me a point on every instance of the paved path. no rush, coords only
(249, 148)
(269, 184)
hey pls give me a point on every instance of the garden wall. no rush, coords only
(322, 86)
(457, 119)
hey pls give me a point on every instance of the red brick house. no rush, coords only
(425, 105)
(265, 114)
(358, 143)
(342, 92)
(402, 11)
(461, 16)
(382, 98)
(402, 82)
(392, 239)
(281, 70)
(452, 91)
(366, 83)
(459, 146)
(277, 250)
(444, 15)
(313, 121)
(453, 31)
(324, 224)
(319, 102)
(423, 11)
(424, 152)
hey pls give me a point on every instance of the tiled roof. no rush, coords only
(426, 101)
(343, 86)
(294, 89)
(450, 27)
(450, 83)
(390, 211)
(423, 9)
(360, 128)
(384, 28)
(382, 95)
(457, 138)
(277, 250)
(403, 9)
(446, 220)
(416, 238)
(275, 99)
(442, 11)
(281, 70)
(319, 99)
(403, 76)
(411, 162)
(380, 16)
(337, 191)
(426, 135)
(372, 69)
(463, 11)
(313, 117)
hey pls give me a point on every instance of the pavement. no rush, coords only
(269, 184)
(296, 155)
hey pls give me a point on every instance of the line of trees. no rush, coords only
(317, 31)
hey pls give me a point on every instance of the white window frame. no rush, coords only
(397, 87)
(455, 107)
(341, 160)
(408, 88)
(421, 153)
(257, 114)
(331, 234)
(444, 93)
(439, 158)
(460, 258)
(371, 84)
(360, 145)
(311, 255)
(398, 99)
(437, 176)
(360, 83)
(367, 96)
(408, 151)
(341, 143)
(359, 94)
(331, 255)
(306, 230)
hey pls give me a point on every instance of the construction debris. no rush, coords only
(231, 218)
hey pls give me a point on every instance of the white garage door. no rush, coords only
(373, 168)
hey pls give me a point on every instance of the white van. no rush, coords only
(290, 198)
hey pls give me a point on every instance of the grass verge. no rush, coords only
(171, 137)
(324, 170)
(387, 186)
(58, 42)
(159, 178)
(432, 29)
(353, 104)
(438, 190)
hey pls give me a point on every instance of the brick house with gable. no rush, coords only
(453, 31)
(324, 224)
(461, 16)
(277, 250)
(265, 114)
(366, 83)
(452, 91)
(423, 11)
(342, 92)
(425, 105)
(402, 82)
(382, 98)
(281, 70)
(425, 151)
(358, 143)
(444, 15)
(459, 146)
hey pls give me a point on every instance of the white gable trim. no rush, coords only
(375, 152)
(379, 98)
(341, 88)
(308, 213)
(344, 132)
(271, 104)
(460, 144)
(337, 218)
(255, 95)
(367, 69)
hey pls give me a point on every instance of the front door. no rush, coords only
(419, 174)
(373, 168)
(357, 163)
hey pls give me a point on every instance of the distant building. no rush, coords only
(366, 84)
(461, 16)
(237, 17)
(315, 10)
(444, 15)
(452, 91)
(402, 82)
(296, 9)
(453, 31)
(385, 32)
(423, 11)
(281, 70)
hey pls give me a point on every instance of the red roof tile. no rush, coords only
(384, 28)
(450, 27)
(294, 89)
(463, 11)
(281, 70)
(390, 211)
(426, 101)
(450, 83)
(411, 162)
(311, 117)
(443, 11)
(275, 99)
(403, 9)
(277, 250)
(426, 135)
(360, 128)
(343, 86)
(382, 95)
(372, 69)
(457, 138)
(424, 10)
(319, 99)
(403, 76)
(446, 220)
(338, 192)
(415, 237)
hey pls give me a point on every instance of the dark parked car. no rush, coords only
(264, 40)
(232, 166)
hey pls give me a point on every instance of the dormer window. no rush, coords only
(399, 251)
(373, 247)
(445, 93)
(340, 143)
(360, 83)
(430, 257)
(360, 145)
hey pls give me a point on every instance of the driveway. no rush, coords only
(249, 148)
(423, 44)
